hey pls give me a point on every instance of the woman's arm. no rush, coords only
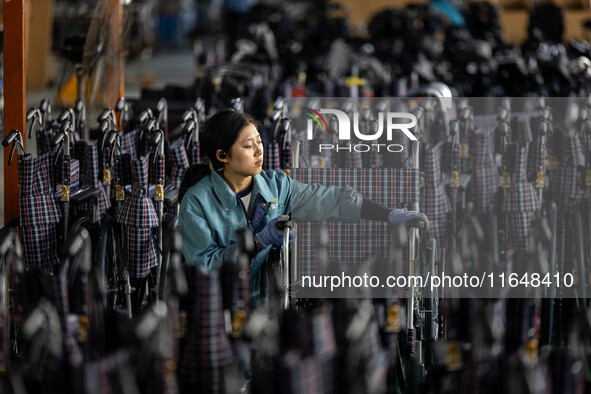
(315, 202)
(199, 246)
(318, 202)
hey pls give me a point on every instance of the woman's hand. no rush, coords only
(272, 234)
(408, 218)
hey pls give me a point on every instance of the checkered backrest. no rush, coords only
(353, 243)
(435, 202)
(485, 175)
(565, 187)
(181, 163)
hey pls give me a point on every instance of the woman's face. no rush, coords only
(246, 155)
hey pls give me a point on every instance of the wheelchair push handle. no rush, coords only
(105, 115)
(16, 139)
(44, 106)
(145, 115)
(31, 113)
(189, 114)
(35, 117)
(162, 108)
(120, 106)
(9, 139)
(284, 223)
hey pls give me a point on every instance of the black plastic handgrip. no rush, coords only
(103, 127)
(275, 115)
(285, 125)
(110, 140)
(9, 139)
(57, 139)
(200, 106)
(161, 105)
(63, 116)
(44, 106)
(104, 115)
(78, 106)
(188, 114)
(31, 113)
(189, 127)
(144, 115)
(120, 104)
(150, 125)
(503, 115)
(66, 126)
(284, 222)
(156, 137)
(75, 243)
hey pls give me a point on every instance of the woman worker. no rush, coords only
(237, 194)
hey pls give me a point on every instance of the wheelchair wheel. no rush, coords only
(74, 228)
(11, 274)
(117, 285)
(170, 224)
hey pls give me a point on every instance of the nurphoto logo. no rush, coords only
(340, 125)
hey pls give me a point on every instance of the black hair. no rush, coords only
(220, 132)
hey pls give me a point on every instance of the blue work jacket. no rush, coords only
(211, 214)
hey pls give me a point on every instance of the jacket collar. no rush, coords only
(227, 196)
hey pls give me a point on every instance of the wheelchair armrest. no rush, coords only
(171, 195)
(83, 195)
(464, 181)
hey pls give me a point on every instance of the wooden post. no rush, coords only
(39, 37)
(15, 87)
(115, 72)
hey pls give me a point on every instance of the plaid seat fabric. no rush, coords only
(371, 159)
(102, 376)
(69, 171)
(235, 290)
(485, 122)
(194, 152)
(486, 179)
(286, 156)
(310, 374)
(80, 132)
(39, 210)
(43, 137)
(308, 365)
(123, 169)
(272, 157)
(435, 202)
(452, 158)
(79, 153)
(37, 284)
(129, 142)
(565, 188)
(521, 129)
(157, 169)
(352, 159)
(139, 217)
(522, 200)
(28, 292)
(537, 156)
(93, 178)
(353, 243)
(397, 160)
(206, 349)
(181, 163)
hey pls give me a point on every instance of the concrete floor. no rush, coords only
(166, 67)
